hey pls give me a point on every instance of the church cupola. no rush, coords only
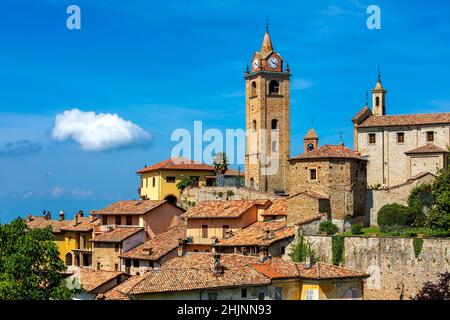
(311, 141)
(379, 98)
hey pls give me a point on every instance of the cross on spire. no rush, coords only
(367, 97)
(379, 74)
(341, 137)
(267, 24)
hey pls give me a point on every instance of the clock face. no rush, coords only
(273, 62)
(256, 63)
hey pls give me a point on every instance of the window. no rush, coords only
(195, 181)
(278, 293)
(244, 293)
(224, 230)
(204, 231)
(274, 124)
(274, 146)
(261, 296)
(400, 137)
(117, 247)
(254, 125)
(372, 138)
(309, 294)
(146, 183)
(377, 101)
(430, 136)
(129, 220)
(252, 182)
(170, 179)
(98, 265)
(274, 87)
(128, 263)
(212, 295)
(153, 182)
(312, 174)
(253, 89)
(104, 220)
(118, 220)
(116, 267)
(136, 263)
(282, 250)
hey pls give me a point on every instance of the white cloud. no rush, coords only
(71, 193)
(97, 132)
(300, 84)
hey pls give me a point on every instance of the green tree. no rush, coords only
(30, 267)
(328, 228)
(300, 250)
(184, 183)
(220, 167)
(420, 201)
(439, 215)
(395, 214)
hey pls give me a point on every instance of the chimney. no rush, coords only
(214, 240)
(263, 253)
(75, 219)
(216, 267)
(267, 234)
(61, 215)
(47, 215)
(93, 215)
(182, 247)
(149, 250)
(228, 233)
(81, 213)
(309, 263)
(29, 218)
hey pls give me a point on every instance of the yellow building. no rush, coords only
(159, 181)
(72, 237)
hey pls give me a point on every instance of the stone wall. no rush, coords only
(193, 196)
(394, 270)
(376, 199)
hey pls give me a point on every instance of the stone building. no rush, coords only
(399, 147)
(332, 172)
(267, 121)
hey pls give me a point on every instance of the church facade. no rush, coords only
(399, 147)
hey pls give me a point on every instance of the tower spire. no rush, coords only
(267, 43)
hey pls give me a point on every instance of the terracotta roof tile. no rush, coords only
(159, 246)
(41, 222)
(363, 114)
(202, 260)
(428, 148)
(118, 234)
(177, 164)
(406, 120)
(277, 208)
(329, 151)
(223, 209)
(171, 280)
(122, 291)
(311, 134)
(136, 207)
(275, 268)
(91, 279)
(84, 224)
(255, 234)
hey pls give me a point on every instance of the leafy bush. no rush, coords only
(395, 214)
(420, 200)
(417, 244)
(436, 291)
(184, 183)
(356, 229)
(328, 227)
(439, 215)
(300, 250)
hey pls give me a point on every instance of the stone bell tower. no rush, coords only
(267, 120)
(379, 98)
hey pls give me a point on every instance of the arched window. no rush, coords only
(171, 199)
(68, 259)
(77, 260)
(252, 182)
(274, 124)
(254, 125)
(274, 87)
(377, 101)
(253, 89)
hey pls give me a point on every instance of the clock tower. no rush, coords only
(267, 121)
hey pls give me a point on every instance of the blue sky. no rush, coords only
(164, 64)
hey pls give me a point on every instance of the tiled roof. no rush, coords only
(232, 172)
(41, 222)
(84, 224)
(428, 148)
(329, 151)
(177, 164)
(311, 134)
(362, 115)
(275, 268)
(122, 291)
(202, 260)
(254, 234)
(91, 279)
(159, 246)
(406, 120)
(313, 194)
(171, 280)
(136, 207)
(223, 209)
(118, 234)
(277, 208)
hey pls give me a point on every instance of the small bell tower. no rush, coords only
(379, 98)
